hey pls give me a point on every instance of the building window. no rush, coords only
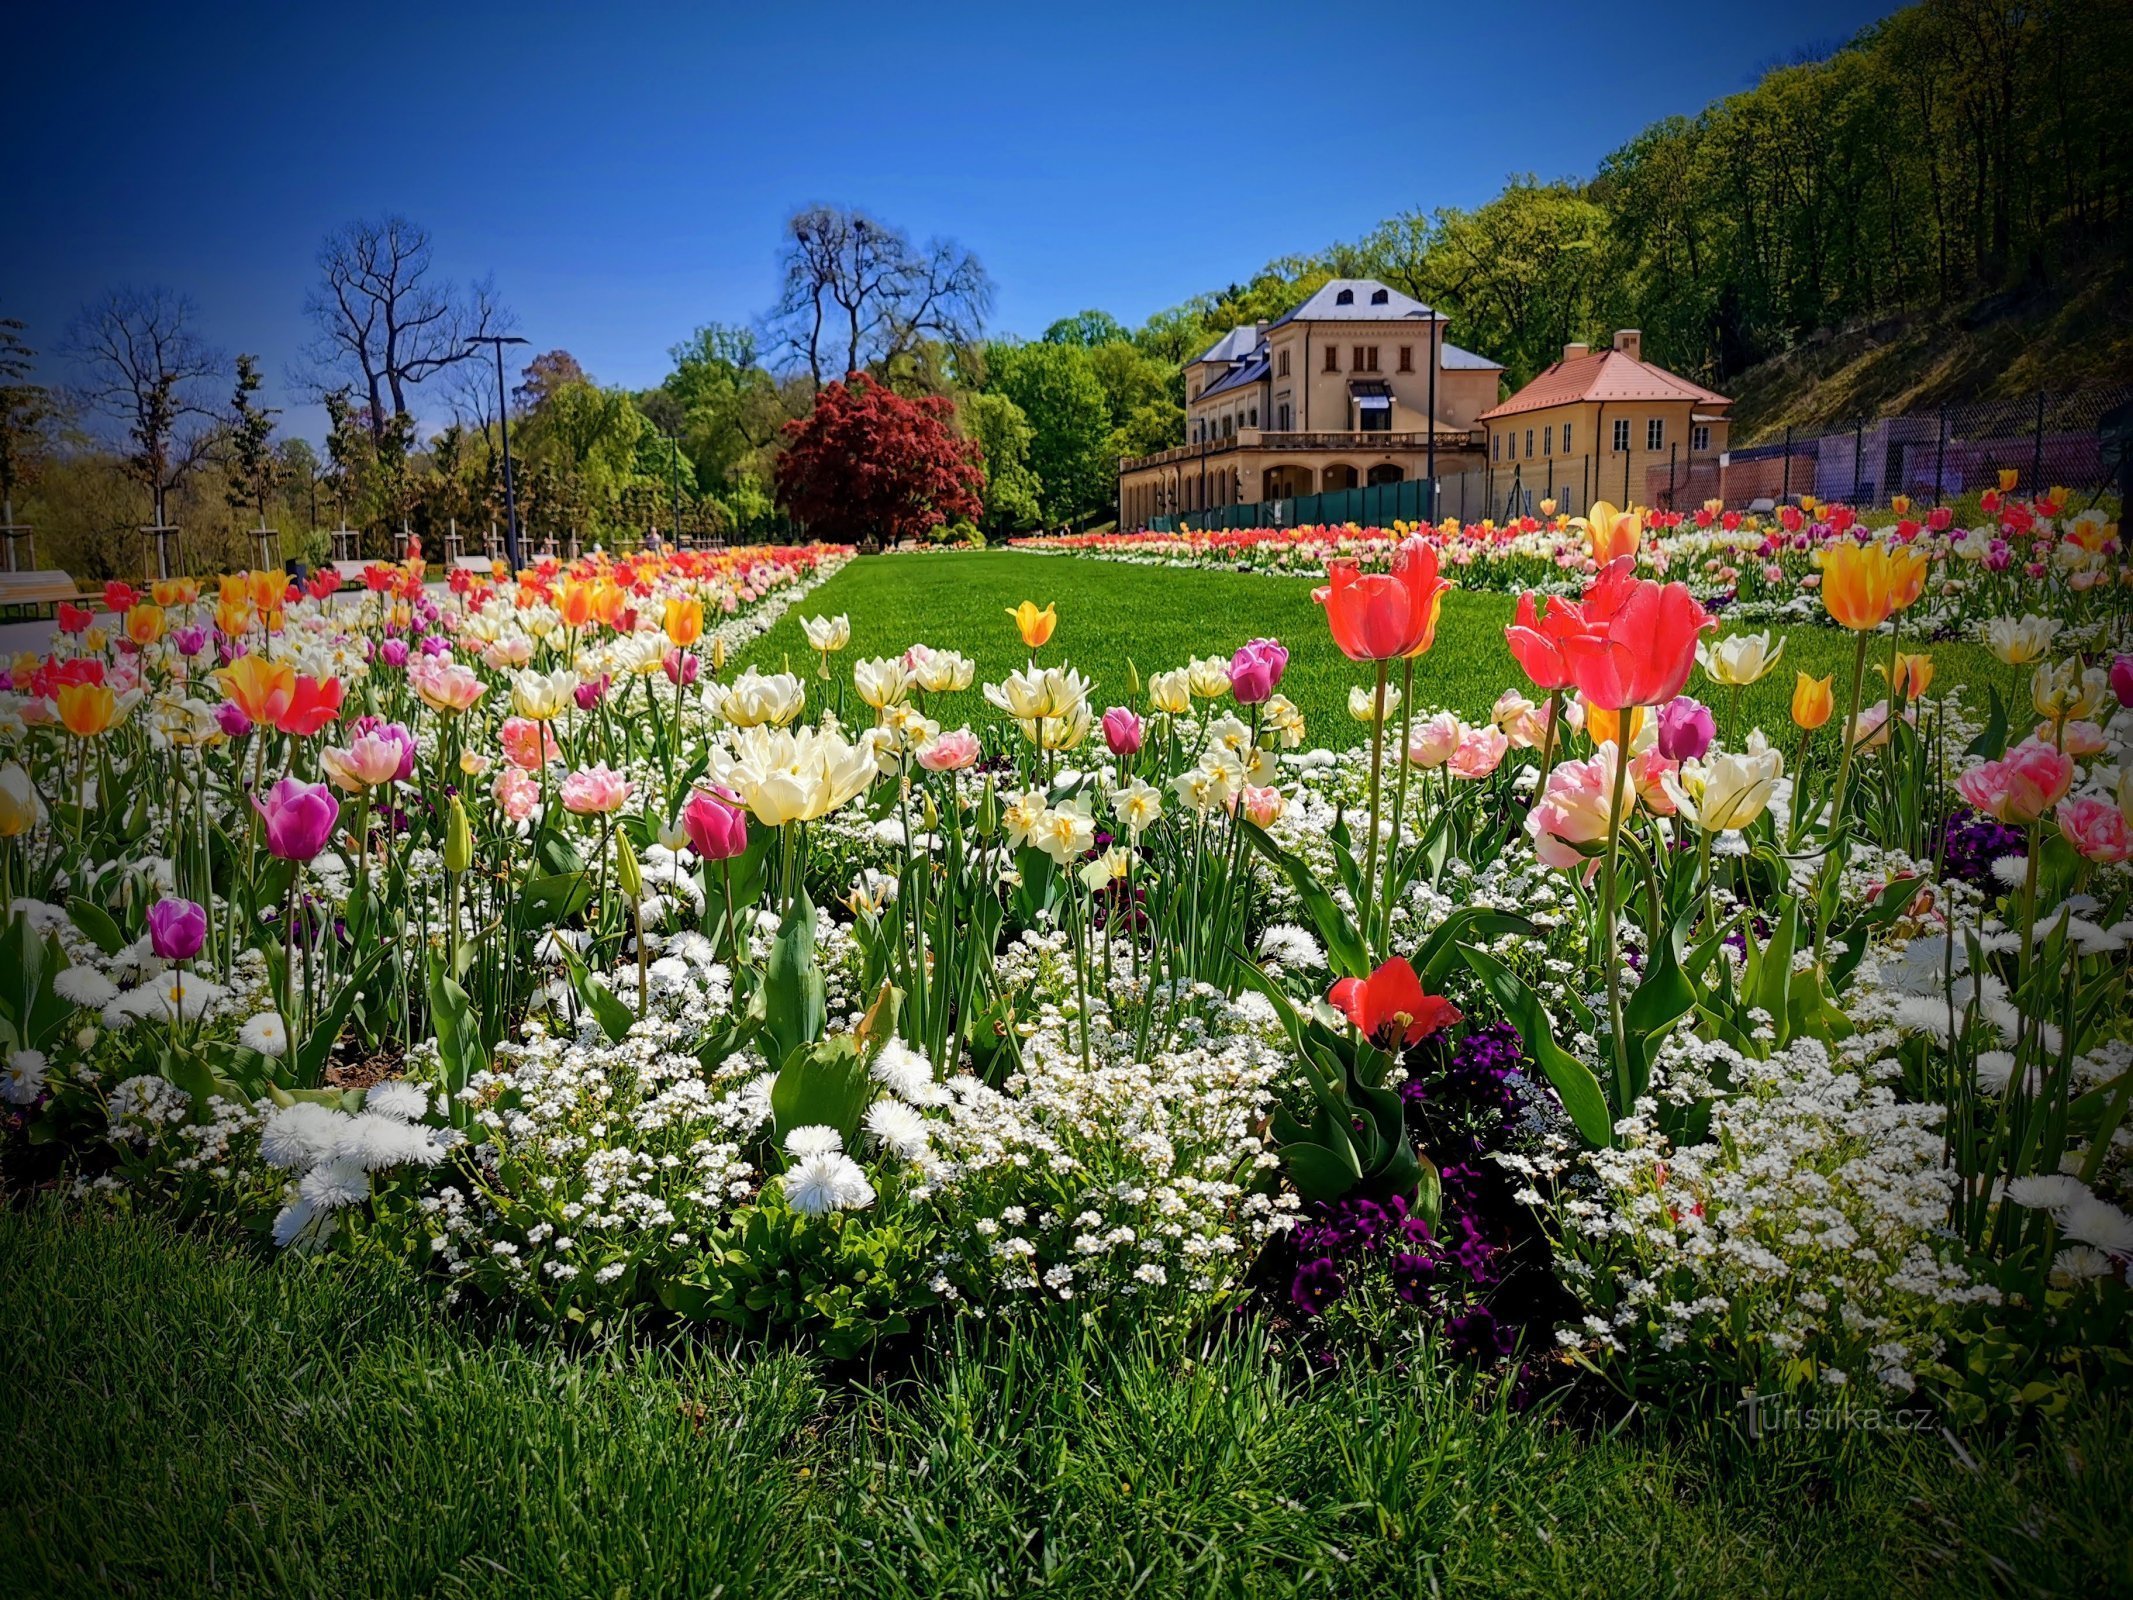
(1566, 438)
(1548, 441)
(1255, 418)
(1621, 433)
(1282, 425)
(1529, 444)
(1333, 358)
(1376, 419)
(1655, 434)
(1700, 437)
(1495, 447)
(1345, 298)
(1283, 368)
(1365, 359)
(1407, 358)
(1379, 297)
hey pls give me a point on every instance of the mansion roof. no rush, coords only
(1603, 375)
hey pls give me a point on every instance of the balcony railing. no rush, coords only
(1316, 440)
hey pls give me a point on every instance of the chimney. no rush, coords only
(1573, 351)
(1630, 342)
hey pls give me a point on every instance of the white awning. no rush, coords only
(1373, 402)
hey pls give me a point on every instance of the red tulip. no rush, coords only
(315, 703)
(1389, 1007)
(1384, 616)
(1638, 642)
(1536, 638)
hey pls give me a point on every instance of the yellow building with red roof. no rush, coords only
(1607, 424)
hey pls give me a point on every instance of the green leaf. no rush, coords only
(311, 1055)
(1344, 945)
(823, 1085)
(459, 1043)
(792, 1005)
(1439, 953)
(96, 925)
(1991, 744)
(555, 898)
(1574, 1082)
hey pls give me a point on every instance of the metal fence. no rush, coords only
(2074, 439)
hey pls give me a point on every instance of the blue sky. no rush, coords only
(624, 170)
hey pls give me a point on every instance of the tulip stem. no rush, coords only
(1555, 711)
(1610, 898)
(1850, 736)
(1399, 798)
(1377, 766)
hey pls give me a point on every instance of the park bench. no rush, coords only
(38, 592)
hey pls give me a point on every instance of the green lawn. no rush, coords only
(181, 1418)
(1110, 613)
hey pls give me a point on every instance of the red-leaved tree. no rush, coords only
(868, 464)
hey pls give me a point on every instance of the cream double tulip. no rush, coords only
(1040, 693)
(2069, 692)
(944, 672)
(827, 633)
(1170, 692)
(541, 696)
(1728, 792)
(784, 776)
(755, 700)
(882, 682)
(1208, 677)
(18, 802)
(2019, 641)
(1740, 660)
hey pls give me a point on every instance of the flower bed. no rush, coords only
(509, 931)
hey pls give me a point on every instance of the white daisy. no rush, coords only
(828, 1182)
(85, 986)
(2047, 1191)
(266, 1033)
(2099, 1223)
(897, 1128)
(399, 1099)
(334, 1185)
(813, 1140)
(22, 1081)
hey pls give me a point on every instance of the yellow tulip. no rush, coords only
(1812, 700)
(144, 624)
(1035, 626)
(1913, 675)
(684, 621)
(2009, 477)
(1603, 726)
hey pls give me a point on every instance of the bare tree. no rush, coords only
(143, 366)
(384, 323)
(858, 291)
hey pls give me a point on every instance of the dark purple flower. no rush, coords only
(1686, 729)
(176, 928)
(1317, 1285)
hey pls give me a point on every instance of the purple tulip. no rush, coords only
(299, 818)
(392, 733)
(2122, 680)
(1122, 732)
(230, 718)
(1255, 671)
(190, 640)
(589, 695)
(177, 929)
(393, 652)
(1686, 729)
(436, 644)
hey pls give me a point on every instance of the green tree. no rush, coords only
(253, 469)
(1011, 489)
(1056, 388)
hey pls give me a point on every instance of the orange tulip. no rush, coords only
(170, 592)
(2009, 477)
(1863, 585)
(87, 709)
(610, 600)
(233, 617)
(685, 621)
(313, 703)
(263, 690)
(1913, 675)
(144, 624)
(575, 604)
(1812, 700)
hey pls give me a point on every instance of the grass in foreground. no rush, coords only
(182, 1418)
(1159, 617)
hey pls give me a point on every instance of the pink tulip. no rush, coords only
(299, 818)
(2021, 788)
(589, 695)
(516, 793)
(681, 667)
(1574, 811)
(1648, 773)
(1262, 805)
(393, 653)
(952, 752)
(1432, 743)
(1255, 671)
(596, 791)
(528, 745)
(2097, 829)
(1123, 731)
(718, 830)
(1481, 751)
(176, 929)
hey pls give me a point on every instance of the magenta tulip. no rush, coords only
(2122, 680)
(1255, 671)
(1686, 729)
(1122, 732)
(717, 830)
(299, 818)
(230, 718)
(176, 929)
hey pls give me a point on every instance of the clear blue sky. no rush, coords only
(623, 170)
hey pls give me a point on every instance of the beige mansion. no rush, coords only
(1333, 395)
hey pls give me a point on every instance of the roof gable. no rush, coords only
(1603, 376)
(1356, 300)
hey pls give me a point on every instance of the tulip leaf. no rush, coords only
(555, 898)
(459, 1044)
(1439, 953)
(1320, 1172)
(792, 1004)
(96, 925)
(311, 1055)
(1344, 945)
(1574, 1082)
(1991, 744)
(822, 1085)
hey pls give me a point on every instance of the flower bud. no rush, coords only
(458, 838)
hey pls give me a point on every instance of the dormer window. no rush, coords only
(1345, 298)
(1379, 297)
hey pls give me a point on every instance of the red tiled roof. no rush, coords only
(1604, 375)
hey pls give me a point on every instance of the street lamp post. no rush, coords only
(1431, 469)
(503, 422)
